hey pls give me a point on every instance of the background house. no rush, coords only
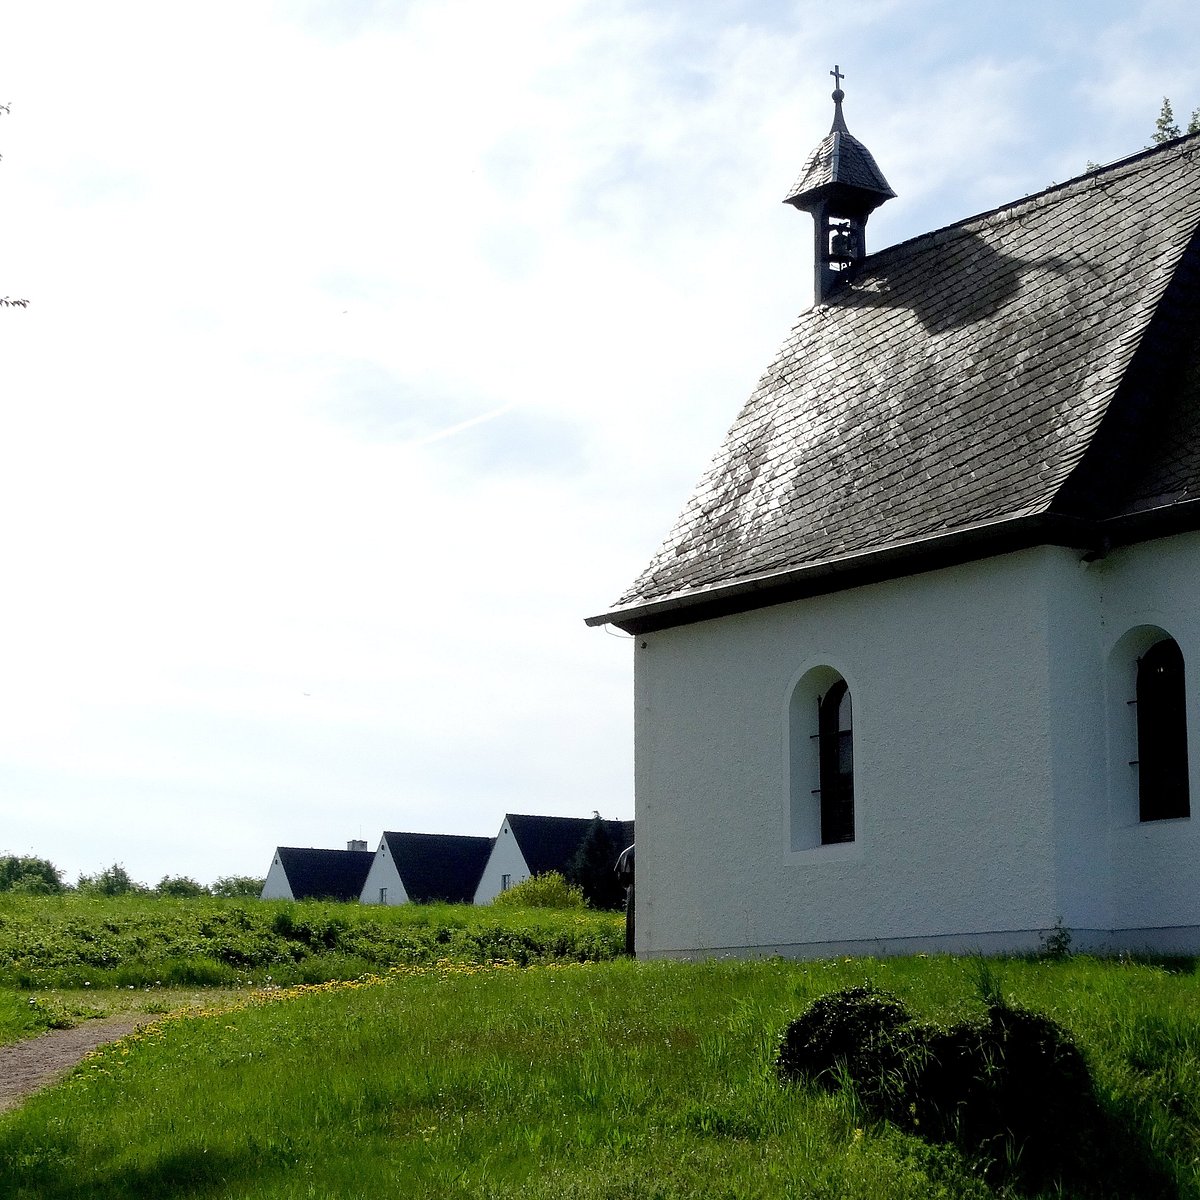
(916, 667)
(299, 873)
(425, 867)
(532, 845)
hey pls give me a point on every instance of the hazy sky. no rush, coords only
(372, 345)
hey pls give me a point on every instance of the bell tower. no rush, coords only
(841, 186)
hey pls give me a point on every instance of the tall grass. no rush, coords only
(77, 941)
(584, 1082)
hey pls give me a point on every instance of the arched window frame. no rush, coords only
(820, 738)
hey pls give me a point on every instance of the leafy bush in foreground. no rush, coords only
(1010, 1089)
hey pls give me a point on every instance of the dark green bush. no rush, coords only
(847, 1032)
(1010, 1089)
(30, 876)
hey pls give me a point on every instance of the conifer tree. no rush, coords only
(1165, 129)
(591, 868)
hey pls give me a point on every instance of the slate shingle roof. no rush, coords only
(840, 159)
(549, 843)
(1031, 375)
(439, 866)
(325, 874)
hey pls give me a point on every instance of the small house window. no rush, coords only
(383, 895)
(1162, 754)
(835, 737)
(505, 882)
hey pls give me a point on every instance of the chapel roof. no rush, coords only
(439, 866)
(1028, 376)
(315, 874)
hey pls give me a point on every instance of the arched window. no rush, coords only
(1162, 754)
(835, 739)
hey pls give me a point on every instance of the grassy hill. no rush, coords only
(590, 1081)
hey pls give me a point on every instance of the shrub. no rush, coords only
(180, 887)
(1010, 1089)
(112, 881)
(549, 890)
(30, 876)
(238, 887)
(850, 1031)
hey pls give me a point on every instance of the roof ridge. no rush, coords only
(1118, 169)
(419, 833)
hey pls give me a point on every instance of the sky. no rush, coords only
(371, 345)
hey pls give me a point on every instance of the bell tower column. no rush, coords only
(840, 186)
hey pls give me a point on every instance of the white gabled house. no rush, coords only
(305, 873)
(532, 845)
(918, 667)
(423, 868)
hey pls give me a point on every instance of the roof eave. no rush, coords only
(853, 570)
(905, 558)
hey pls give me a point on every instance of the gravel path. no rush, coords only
(36, 1062)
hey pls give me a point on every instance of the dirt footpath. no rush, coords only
(37, 1062)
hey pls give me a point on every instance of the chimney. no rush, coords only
(356, 844)
(841, 186)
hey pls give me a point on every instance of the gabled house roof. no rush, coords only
(439, 866)
(324, 874)
(549, 843)
(1028, 376)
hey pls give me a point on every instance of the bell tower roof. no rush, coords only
(840, 172)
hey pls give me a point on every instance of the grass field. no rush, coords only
(581, 1081)
(75, 941)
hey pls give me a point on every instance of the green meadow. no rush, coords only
(573, 1079)
(74, 941)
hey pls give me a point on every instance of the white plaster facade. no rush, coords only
(383, 884)
(993, 739)
(276, 885)
(505, 866)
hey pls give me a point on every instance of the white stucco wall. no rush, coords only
(276, 885)
(383, 874)
(1154, 864)
(506, 859)
(982, 762)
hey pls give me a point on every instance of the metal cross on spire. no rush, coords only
(839, 122)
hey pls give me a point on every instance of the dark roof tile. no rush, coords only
(549, 843)
(439, 866)
(325, 874)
